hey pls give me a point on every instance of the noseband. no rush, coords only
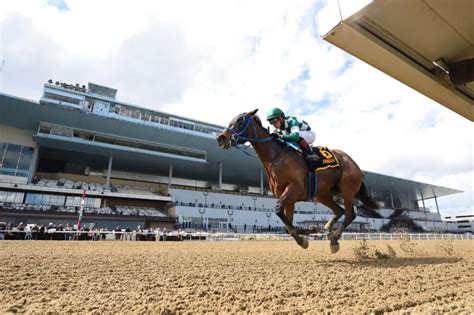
(238, 135)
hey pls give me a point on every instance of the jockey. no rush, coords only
(292, 129)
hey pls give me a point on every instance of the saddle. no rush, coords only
(327, 159)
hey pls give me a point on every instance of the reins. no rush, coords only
(238, 135)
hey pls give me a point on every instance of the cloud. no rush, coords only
(211, 60)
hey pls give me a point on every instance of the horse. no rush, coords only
(288, 173)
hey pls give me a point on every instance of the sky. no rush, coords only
(211, 60)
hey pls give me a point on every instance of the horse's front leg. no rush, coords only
(285, 209)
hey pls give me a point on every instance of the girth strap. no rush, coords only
(312, 185)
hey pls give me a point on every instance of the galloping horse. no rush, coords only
(288, 173)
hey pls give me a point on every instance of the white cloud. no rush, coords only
(211, 60)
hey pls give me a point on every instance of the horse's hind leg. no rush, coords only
(331, 204)
(349, 216)
(338, 212)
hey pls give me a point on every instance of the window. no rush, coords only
(155, 118)
(14, 197)
(62, 98)
(3, 146)
(126, 112)
(3, 195)
(12, 154)
(62, 131)
(146, 116)
(164, 121)
(25, 158)
(135, 114)
(45, 129)
(115, 109)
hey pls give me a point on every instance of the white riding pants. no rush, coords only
(309, 136)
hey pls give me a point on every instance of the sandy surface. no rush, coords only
(236, 276)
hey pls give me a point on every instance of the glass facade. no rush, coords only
(145, 115)
(44, 199)
(76, 202)
(101, 106)
(101, 138)
(10, 196)
(59, 200)
(62, 98)
(15, 159)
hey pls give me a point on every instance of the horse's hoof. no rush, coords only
(303, 242)
(334, 248)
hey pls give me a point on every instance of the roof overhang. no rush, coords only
(385, 184)
(404, 39)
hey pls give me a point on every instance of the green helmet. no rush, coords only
(274, 113)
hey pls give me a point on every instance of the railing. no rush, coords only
(226, 236)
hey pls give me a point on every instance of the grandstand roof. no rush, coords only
(238, 168)
(418, 42)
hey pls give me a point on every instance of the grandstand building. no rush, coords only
(144, 167)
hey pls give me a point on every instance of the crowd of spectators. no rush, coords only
(64, 232)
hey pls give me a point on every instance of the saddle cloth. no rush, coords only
(327, 159)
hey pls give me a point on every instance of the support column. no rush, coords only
(33, 164)
(391, 199)
(437, 208)
(423, 201)
(261, 182)
(109, 170)
(220, 175)
(170, 177)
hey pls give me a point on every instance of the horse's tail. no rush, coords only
(363, 196)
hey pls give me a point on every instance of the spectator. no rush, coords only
(118, 233)
(41, 234)
(34, 232)
(3, 227)
(103, 233)
(67, 229)
(165, 234)
(50, 229)
(27, 233)
(127, 234)
(139, 234)
(157, 234)
(21, 231)
(59, 236)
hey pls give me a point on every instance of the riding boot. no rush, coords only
(311, 157)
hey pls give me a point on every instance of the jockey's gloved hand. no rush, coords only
(276, 135)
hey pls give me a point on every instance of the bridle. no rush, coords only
(238, 135)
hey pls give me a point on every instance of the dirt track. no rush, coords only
(247, 276)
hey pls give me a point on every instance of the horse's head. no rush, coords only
(240, 130)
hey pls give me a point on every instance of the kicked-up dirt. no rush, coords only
(236, 277)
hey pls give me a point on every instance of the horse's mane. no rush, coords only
(259, 122)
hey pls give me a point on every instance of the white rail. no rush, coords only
(224, 236)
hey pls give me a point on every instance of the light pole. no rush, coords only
(202, 211)
(230, 213)
(254, 198)
(268, 214)
(205, 193)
